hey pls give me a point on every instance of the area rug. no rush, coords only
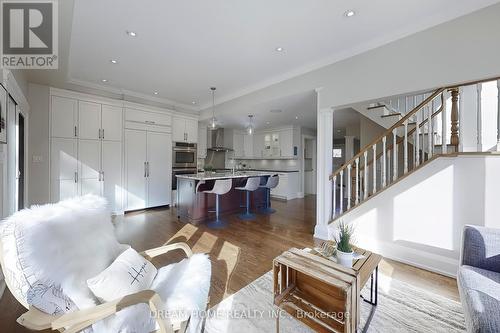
(401, 308)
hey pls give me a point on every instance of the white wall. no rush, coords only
(456, 51)
(419, 220)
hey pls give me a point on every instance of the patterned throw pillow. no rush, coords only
(128, 274)
(50, 299)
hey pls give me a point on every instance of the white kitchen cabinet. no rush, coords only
(286, 143)
(248, 145)
(149, 169)
(238, 145)
(191, 130)
(202, 142)
(288, 186)
(89, 158)
(112, 123)
(64, 117)
(184, 130)
(89, 120)
(135, 159)
(63, 168)
(159, 169)
(258, 144)
(111, 178)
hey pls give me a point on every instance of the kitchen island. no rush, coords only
(193, 205)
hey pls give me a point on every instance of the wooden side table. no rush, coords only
(321, 293)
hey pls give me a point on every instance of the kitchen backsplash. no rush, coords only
(284, 165)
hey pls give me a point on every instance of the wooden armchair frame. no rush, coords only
(76, 321)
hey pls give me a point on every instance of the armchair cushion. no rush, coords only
(128, 274)
(481, 248)
(61, 244)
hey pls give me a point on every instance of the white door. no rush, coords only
(63, 117)
(192, 130)
(135, 176)
(64, 168)
(112, 123)
(89, 120)
(179, 129)
(159, 169)
(286, 143)
(112, 174)
(89, 158)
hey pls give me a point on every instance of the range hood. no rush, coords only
(216, 141)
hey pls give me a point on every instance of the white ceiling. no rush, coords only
(184, 47)
(301, 106)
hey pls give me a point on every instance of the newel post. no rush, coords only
(454, 118)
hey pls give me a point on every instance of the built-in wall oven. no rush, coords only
(184, 155)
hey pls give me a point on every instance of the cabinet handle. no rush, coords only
(145, 170)
(103, 133)
(150, 122)
(76, 177)
(76, 134)
(102, 177)
(147, 163)
(99, 133)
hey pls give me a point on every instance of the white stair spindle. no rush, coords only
(357, 182)
(417, 142)
(395, 156)
(384, 162)
(498, 115)
(479, 118)
(406, 147)
(365, 171)
(349, 181)
(341, 191)
(424, 116)
(430, 129)
(444, 145)
(374, 168)
(334, 210)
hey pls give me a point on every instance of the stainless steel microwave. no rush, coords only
(184, 155)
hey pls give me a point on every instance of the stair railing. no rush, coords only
(388, 157)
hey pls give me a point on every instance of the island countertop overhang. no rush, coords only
(226, 175)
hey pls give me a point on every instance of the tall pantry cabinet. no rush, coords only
(86, 149)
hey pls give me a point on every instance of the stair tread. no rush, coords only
(391, 115)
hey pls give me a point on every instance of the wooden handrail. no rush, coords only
(401, 139)
(390, 130)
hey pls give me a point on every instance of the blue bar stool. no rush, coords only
(221, 186)
(251, 185)
(271, 183)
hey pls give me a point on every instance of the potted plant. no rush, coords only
(208, 168)
(345, 254)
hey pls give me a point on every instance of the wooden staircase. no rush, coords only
(427, 131)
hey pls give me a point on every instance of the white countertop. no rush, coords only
(225, 175)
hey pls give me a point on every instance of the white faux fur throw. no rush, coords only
(66, 244)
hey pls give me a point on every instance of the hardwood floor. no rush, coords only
(240, 253)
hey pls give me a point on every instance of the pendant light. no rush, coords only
(250, 128)
(213, 122)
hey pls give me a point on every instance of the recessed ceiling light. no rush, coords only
(275, 111)
(349, 13)
(279, 49)
(113, 61)
(296, 117)
(267, 122)
(104, 80)
(156, 93)
(193, 102)
(131, 34)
